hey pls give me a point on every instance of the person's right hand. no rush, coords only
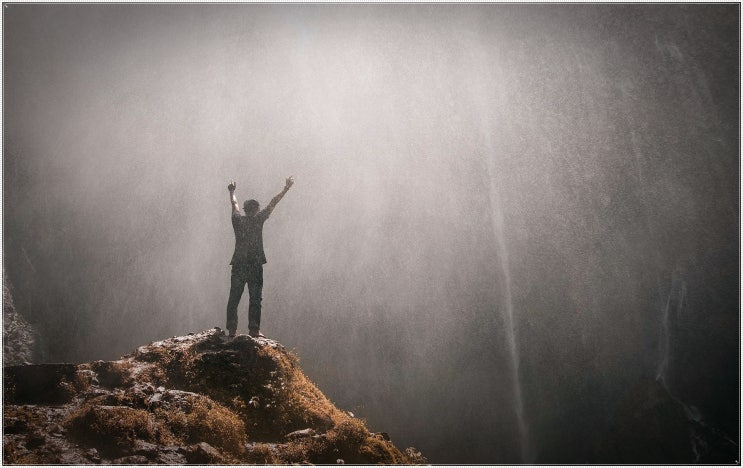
(289, 183)
(232, 186)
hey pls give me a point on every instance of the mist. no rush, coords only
(504, 216)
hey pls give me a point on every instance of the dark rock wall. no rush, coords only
(21, 342)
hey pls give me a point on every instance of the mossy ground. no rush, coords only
(242, 397)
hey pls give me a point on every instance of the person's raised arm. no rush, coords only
(277, 198)
(233, 199)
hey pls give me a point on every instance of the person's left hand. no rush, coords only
(289, 183)
(232, 186)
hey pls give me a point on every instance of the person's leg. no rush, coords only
(255, 289)
(237, 286)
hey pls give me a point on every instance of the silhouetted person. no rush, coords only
(248, 259)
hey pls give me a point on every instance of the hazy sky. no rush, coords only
(584, 155)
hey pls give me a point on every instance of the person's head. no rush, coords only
(251, 207)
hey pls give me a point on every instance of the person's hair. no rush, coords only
(251, 206)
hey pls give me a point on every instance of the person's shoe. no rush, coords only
(256, 334)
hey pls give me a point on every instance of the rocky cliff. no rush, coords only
(20, 340)
(653, 427)
(199, 398)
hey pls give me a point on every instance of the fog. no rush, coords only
(504, 216)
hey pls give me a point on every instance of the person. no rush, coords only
(248, 258)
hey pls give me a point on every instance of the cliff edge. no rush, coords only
(20, 339)
(199, 398)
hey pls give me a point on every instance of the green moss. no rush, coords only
(381, 451)
(205, 421)
(262, 454)
(242, 390)
(111, 429)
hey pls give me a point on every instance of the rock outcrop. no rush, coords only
(20, 340)
(200, 399)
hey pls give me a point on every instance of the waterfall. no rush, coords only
(480, 90)
(507, 311)
(673, 304)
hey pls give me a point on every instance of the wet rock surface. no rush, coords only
(20, 338)
(41, 383)
(196, 399)
(654, 427)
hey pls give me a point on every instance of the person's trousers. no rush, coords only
(252, 275)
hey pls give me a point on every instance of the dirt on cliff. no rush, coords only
(200, 398)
